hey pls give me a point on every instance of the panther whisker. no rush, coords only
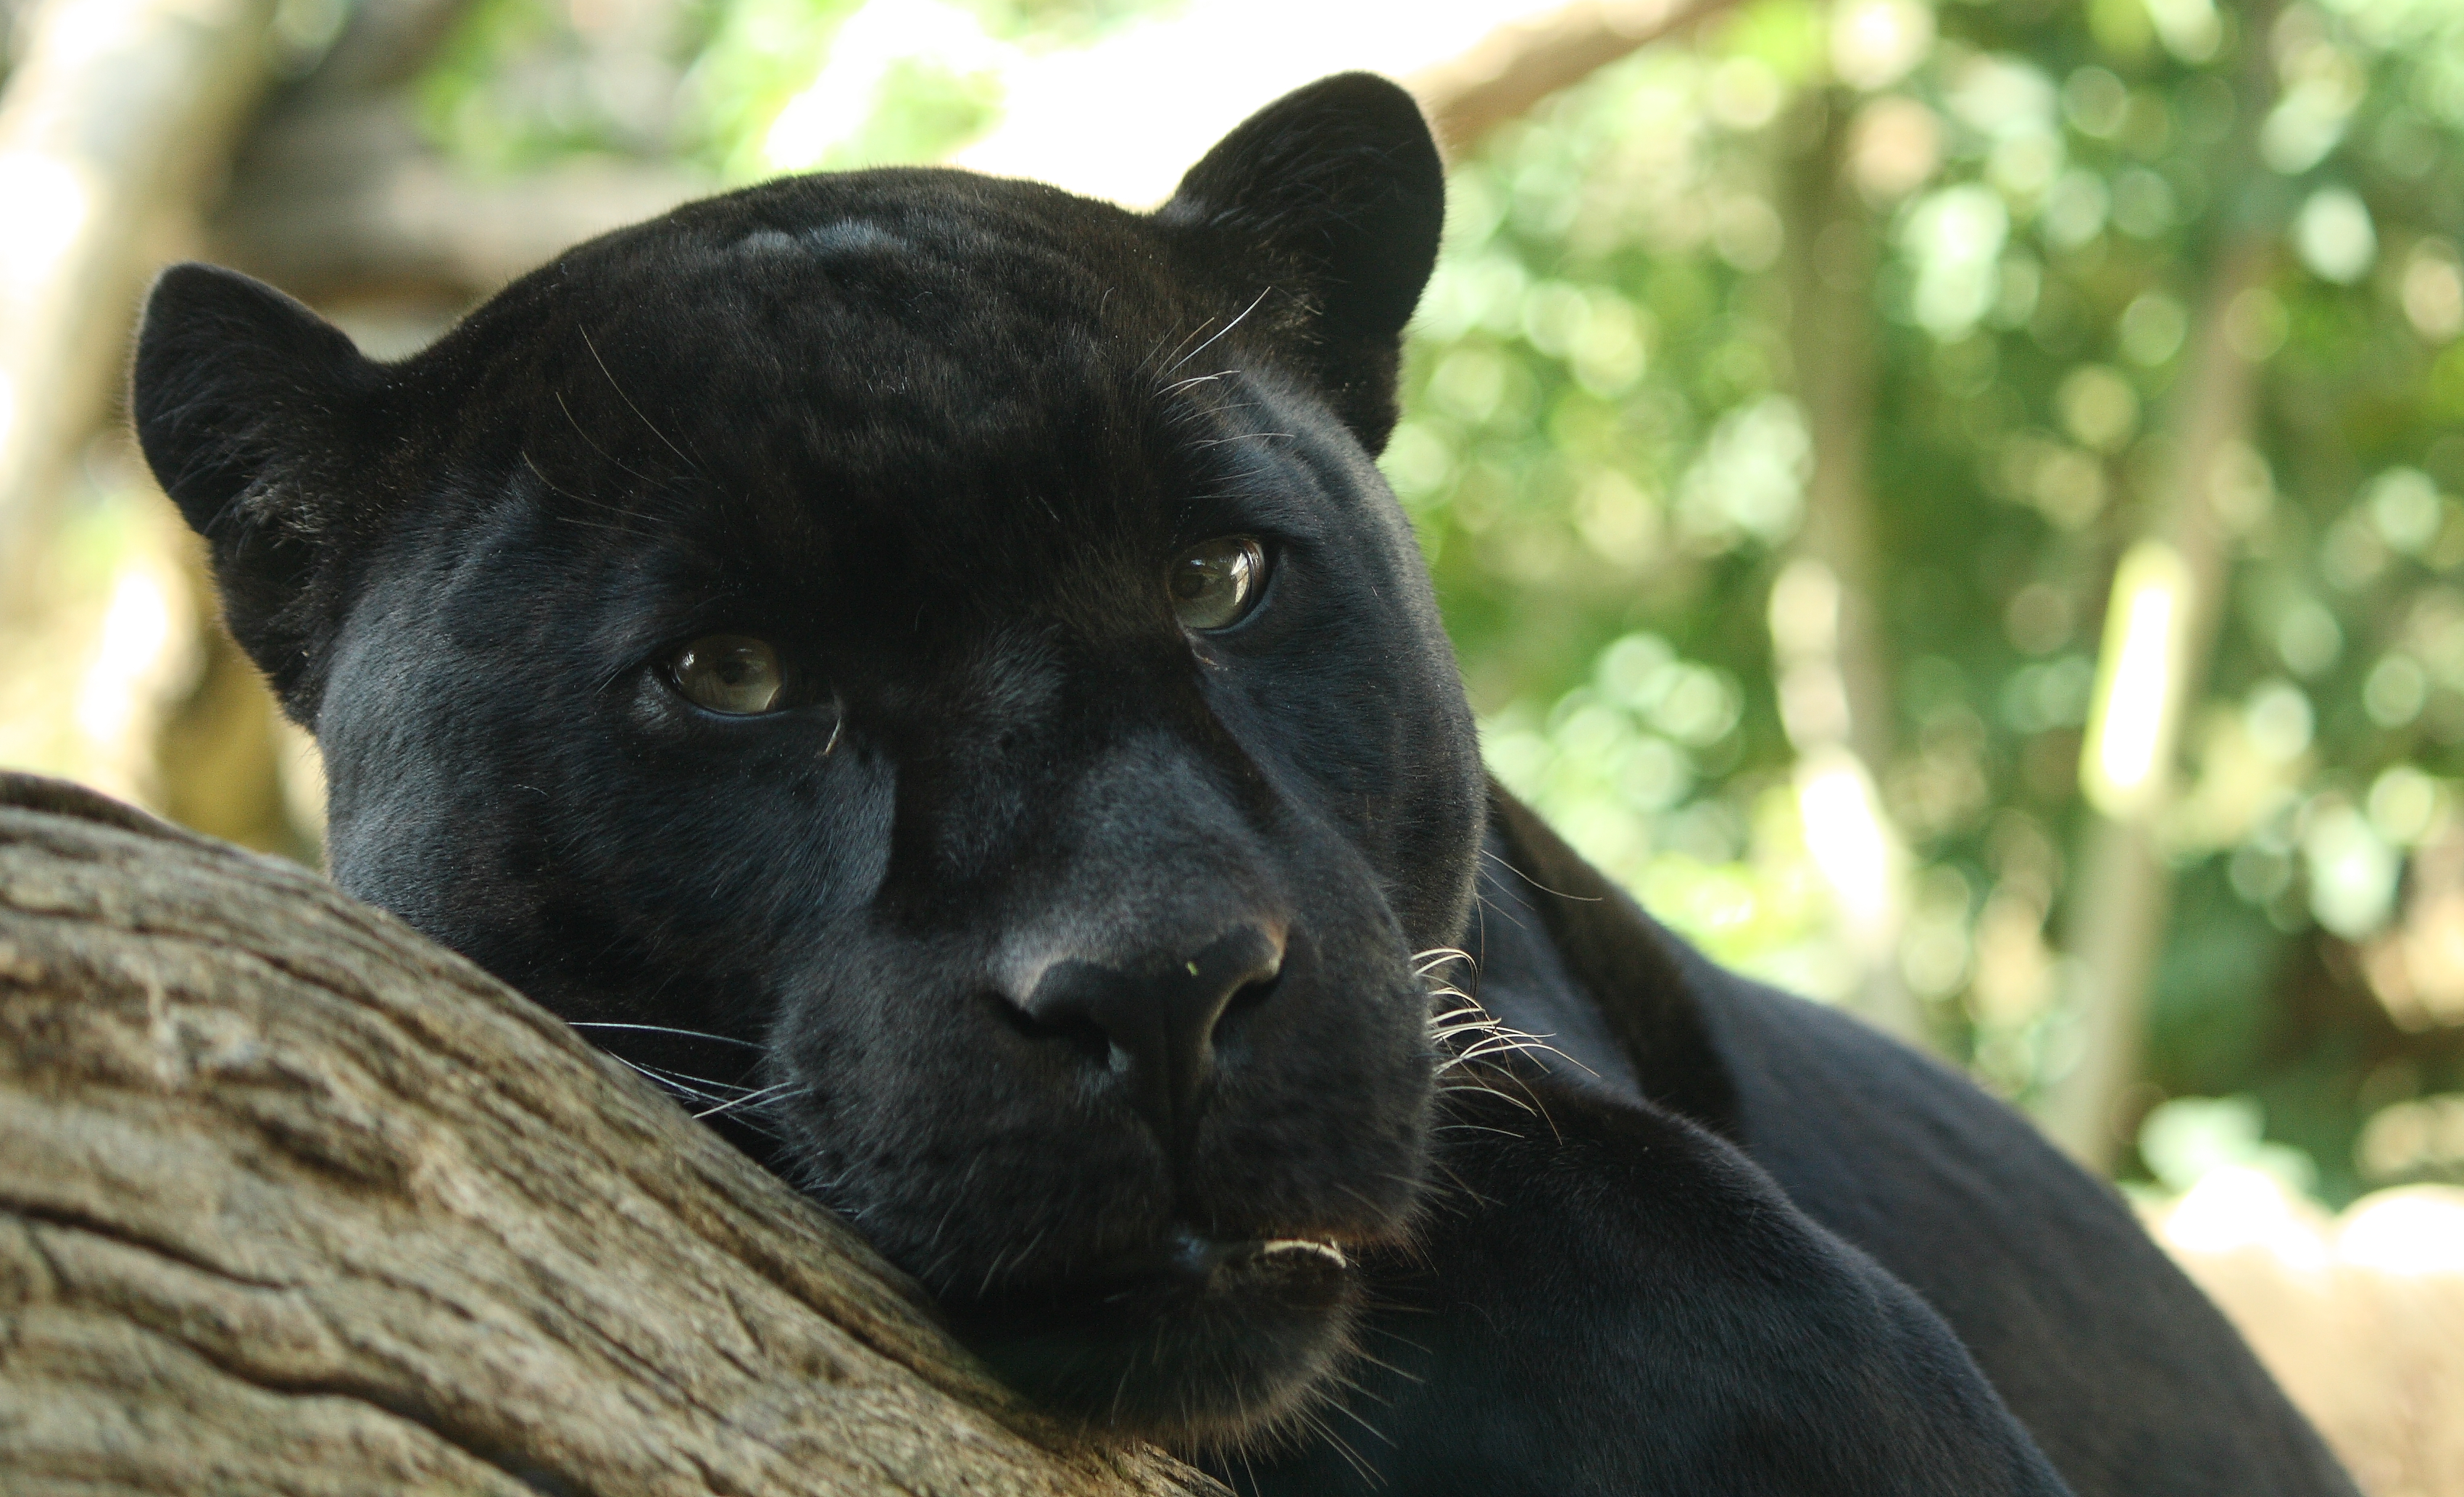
(689, 1088)
(990, 1273)
(1394, 1335)
(1382, 1365)
(673, 1082)
(765, 1094)
(1227, 327)
(1195, 379)
(1184, 344)
(1353, 1386)
(610, 457)
(1473, 1019)
(1243, 437)
(562, 492)
(1473, 1127)
(1589, 899)
(1424, 962)
(1362, 1469)
(1452, 1089)
(1023, 1254)
(693, 1034)
(688, 1079)
(690, 465)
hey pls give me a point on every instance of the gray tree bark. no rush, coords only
(296, 1202)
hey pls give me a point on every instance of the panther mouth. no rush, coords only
(1332, 1252)
(1194, 1341)
(1204, 1260)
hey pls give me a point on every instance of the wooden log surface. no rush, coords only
(293, 1200)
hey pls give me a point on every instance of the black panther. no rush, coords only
(929, 660)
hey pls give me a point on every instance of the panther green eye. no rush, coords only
(1214, 582)
(732, 674)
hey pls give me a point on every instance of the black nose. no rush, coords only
(1158, 1025)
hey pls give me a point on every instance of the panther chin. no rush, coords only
(1197, 1343)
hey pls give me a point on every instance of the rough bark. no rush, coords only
(298, 1203)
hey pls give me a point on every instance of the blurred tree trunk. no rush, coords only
(117, 120)
(1828, 265)
(2121, 886)
(298, 1201)
(2161, 624)
(1831, 670)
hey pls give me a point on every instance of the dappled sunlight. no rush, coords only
(2129, 729)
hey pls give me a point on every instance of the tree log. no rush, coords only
(296, 1201)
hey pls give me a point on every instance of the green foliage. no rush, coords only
(2051, 189)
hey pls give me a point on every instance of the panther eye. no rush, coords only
(1215, 583)
(732, 674)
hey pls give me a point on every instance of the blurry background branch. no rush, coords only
(1523, 62)
(339, 196)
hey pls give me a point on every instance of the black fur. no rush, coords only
(1080, 956)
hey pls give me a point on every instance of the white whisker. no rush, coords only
(751, 1096)
(691, 1034)
(1227, 327)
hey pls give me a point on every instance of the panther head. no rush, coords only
(943, 640)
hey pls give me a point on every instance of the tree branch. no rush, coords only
(341, 200)
(1519, 64)
(338, 198)
(279, 1167)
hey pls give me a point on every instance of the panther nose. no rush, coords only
(1158, 1026)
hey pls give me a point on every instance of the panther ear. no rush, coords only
(1332, 195)
(251, 410)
